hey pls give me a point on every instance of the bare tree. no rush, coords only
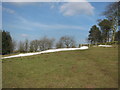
(59, 44)
(42, 44)
(26, 47)
(66, 41)
(14, 44)
(34, 45)
(21, 46)
(31, 49)
(45, 43)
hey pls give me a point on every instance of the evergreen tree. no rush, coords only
(95, 35)
(105, 26)
(7, 46)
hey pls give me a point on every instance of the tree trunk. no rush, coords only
(113, 36)
(114, 28)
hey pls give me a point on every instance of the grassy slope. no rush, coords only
(93, 68)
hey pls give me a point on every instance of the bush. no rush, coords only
(108, 43)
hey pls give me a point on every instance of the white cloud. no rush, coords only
(21, 4)
(51, 26)
(77, 8)
(29, 25)
(8, 10)
(24, 35)
(57, 26)
(18, 26)
(25, 24)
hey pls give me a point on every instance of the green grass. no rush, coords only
(93, 68)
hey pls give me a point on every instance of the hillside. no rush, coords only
(93, 68)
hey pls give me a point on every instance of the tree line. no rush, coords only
(107, 29)
(9, 45)
(45, 43)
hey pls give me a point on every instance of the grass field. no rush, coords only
(93, 68)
